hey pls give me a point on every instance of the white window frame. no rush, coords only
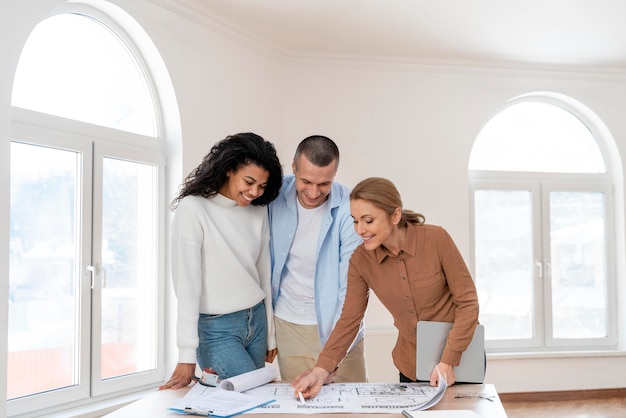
(93, 142)
(599, 186)
(540, 185)
(32, 133)
(103, 149)
(51, 131)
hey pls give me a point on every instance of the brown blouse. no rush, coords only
(428, 280)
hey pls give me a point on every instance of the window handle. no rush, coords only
(92, 270)
(540, 269)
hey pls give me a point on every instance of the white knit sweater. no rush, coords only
(220, 264)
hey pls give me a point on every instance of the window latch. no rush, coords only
(93, 270)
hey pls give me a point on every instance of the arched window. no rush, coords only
(87, 216)
(533, 136)
(93, 77)
(542, 197)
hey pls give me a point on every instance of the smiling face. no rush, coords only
(245, 184)
(313, 183)
(375, 226)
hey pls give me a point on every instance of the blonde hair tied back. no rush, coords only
(383, 194)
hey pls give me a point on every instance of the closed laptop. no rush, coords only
(431, 339)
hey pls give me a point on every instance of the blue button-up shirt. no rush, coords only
(336, 242)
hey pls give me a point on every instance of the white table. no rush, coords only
(460, 396)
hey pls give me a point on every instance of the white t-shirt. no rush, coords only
(296, 302)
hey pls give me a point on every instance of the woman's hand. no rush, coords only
(271, 355)
(447, 372)
(181, 376)
(310, 382)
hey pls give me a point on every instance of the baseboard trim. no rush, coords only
(564, 395)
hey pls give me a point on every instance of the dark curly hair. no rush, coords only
(230, 154)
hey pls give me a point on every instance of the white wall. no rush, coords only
(412, 124)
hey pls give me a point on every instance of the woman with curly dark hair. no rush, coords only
(221, 260)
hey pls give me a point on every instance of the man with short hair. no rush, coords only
(312, 239)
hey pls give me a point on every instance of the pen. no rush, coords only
(301, 398)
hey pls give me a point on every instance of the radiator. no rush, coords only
(378, 346)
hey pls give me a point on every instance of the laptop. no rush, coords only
(431, 339)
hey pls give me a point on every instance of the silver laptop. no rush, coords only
(431, 339)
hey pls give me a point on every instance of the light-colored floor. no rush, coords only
(586, 408)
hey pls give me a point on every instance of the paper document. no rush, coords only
(376, 398)
(250, 380)
(204, 400)
(441, 390)
(227, 400)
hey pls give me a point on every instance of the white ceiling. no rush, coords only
(589, 33)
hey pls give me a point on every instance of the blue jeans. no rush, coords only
(233, 343)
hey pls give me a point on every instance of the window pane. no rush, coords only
(579, 293)
(504, 262)
(129, 276)
(74, 67)
(536, 137)
(44, 270)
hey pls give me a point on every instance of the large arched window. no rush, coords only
(87, 216)
(543, 218)
(93, 77)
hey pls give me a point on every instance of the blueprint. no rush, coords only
(350, 398)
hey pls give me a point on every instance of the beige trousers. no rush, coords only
(298, 349)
